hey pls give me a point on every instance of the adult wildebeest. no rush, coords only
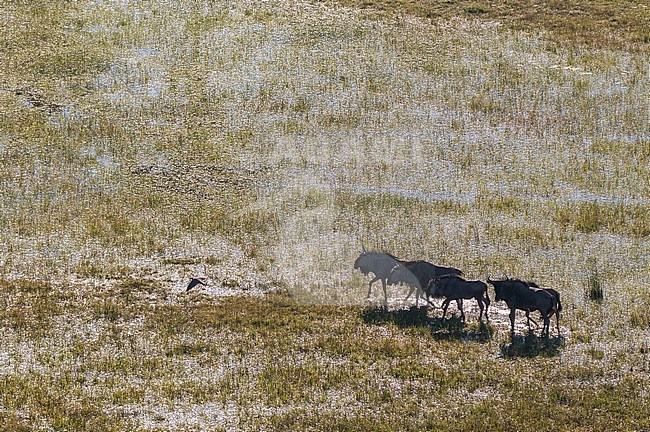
(417, 275)
(554, 294)
(455, 287)
(378, 263)
(519, 295)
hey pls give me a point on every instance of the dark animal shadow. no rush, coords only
(454, 328)
(530, 345)
(450, 328)
(412, 317)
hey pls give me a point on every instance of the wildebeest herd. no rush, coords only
(428, 280)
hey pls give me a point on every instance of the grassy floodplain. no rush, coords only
(259, 144)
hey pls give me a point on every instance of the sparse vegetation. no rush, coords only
(259, 144)
(599, 24)
(250, 364)
(595, 287)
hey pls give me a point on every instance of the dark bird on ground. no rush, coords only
(194, 282)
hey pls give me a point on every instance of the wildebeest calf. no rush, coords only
(417, 275)
(454, 287)
(555, 294)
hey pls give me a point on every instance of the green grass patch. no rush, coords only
(590, 217)
(276, 353)
(595, 286)
(612, 24)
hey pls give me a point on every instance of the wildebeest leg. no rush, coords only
(530, 319)
(445, 305)
(512, 321)
(487, 305)
(547, 325)
(480, 305)
(459, 305)
(462, 312)
(370, 286)
(428, 299)
(383, 283)
(557, 319)
(423, 296)
(420, 294)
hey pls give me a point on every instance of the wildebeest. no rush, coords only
(417, 275)
(455, 287)
(519, 295)
(378, 263)
(555, 294)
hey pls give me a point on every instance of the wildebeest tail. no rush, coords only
(556, 296)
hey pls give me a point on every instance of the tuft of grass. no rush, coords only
(13, 422)
(475, 9)
(640, 318)
(594, 290)
(640, 314)
(595, 353)
(109, 309)
(186, 349)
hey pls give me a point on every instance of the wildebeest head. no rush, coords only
(504, 288)
(432, 288)
(499, 288)
(362, 264)
(362, 256)
(357, 262)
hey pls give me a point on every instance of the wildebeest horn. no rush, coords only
(489, 280)
(363, 248)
